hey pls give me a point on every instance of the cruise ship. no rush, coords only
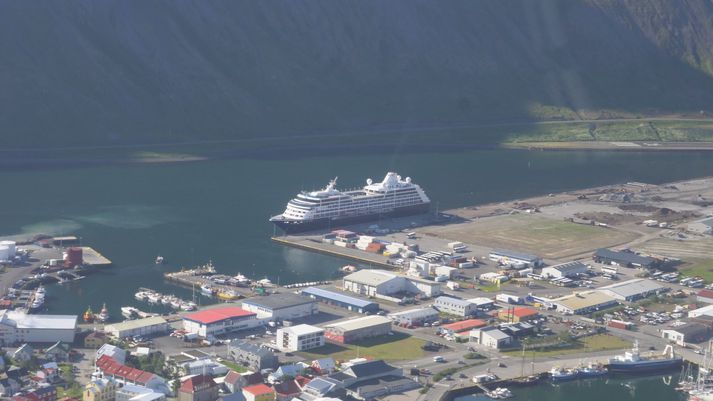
(329, 207)
(633, 362)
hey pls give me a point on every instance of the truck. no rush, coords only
(509, 299)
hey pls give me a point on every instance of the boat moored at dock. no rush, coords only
(633, 362)
(392, 197)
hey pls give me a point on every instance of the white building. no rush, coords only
(380, 283)
(632, 290)
(139, 327)
(490, 337)
(19, 327)
(564, 270)
(131, 392)
(300, 337)
(455, 306)
(282, 306)
(702, 311)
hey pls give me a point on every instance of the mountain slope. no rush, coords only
(88, 72)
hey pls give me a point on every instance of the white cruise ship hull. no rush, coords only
(296, 226)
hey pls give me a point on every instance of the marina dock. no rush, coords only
(312, 243)
(93, 258)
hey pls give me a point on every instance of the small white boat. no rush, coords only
(129, 312)
(166, 299)
(141, 295)
(188, 306)
(176, 303)
(206, 289)
(154, 298)
(159, 260)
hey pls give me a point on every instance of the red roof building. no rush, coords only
(219, 320)
(705, 296)
(259, 392)
(464, 325)
(111, 368)
(198, 388)
(517, 314)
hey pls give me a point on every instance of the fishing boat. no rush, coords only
(129, 312)
(88, 315)
(228, 295)
(103, 315)
(633, 362)
(141, 295)
(500, 393)
(176, 303)
(242, 280)
(188, 306)
(154, 298)
(592, 370)
(166, 299)
(207, 290)
(559, 375)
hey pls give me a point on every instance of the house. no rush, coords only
(259, 392)
(319, 387)
(253, 356)
(365, 371)
(43, 393)
(324, 366)
(100, 389)
(204, 366)
(112, 351)
(517, 314)
(9, 386)
(48, 373)
(689, 333)
(367, 380)
(59, 352)
(95, 339)
(491, 337)
(287, 390)
(286, 371)
(24, 353)
(198, 388)
(234, 381)
(19, 374)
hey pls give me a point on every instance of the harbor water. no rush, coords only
(191, 213)
(656, 388)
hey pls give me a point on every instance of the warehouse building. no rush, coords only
(702, 311)
(455, 306)
(564, 270)
(632, 290)
(414, 317)
(584, 302)
(299, 338)
(211, 322)
(491, 337)
(515, 259)
(357, 329)
(462, 326)
(19, 327)
(689, 333)
(620, 258)
(343, 301)
(140, 327)
(282, 306)
(380, 283)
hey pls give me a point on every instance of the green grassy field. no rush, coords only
(389, 348)
(597, 342)
(545, 236)
(699, 268)
(234, 366)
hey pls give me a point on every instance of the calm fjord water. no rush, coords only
(218, 210)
